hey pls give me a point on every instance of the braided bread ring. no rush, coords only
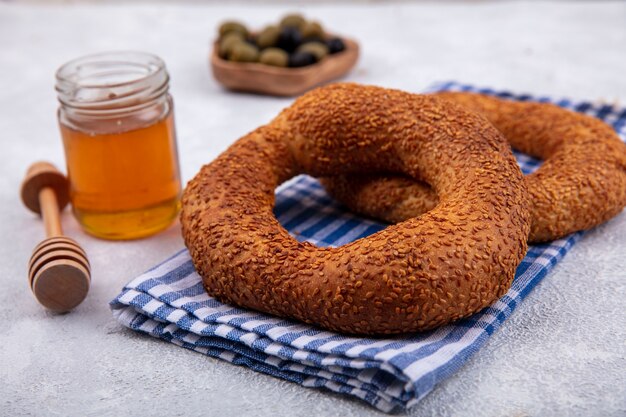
(581, 184)
(415, 275)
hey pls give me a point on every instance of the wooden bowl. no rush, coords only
(278, 81)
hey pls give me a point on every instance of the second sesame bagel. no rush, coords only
(581, 183)
(415, 275)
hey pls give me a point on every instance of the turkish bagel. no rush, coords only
(415, 275)
(581, 183)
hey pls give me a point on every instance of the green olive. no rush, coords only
(292, 20)
(233, 26)
(244, 52)
(275, 57)
(312, 30)
(228, 42)
(268, 37)
(316, 48)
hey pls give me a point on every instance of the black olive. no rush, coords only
(301, 59)
(313, 39)
(289, 39)
(335, 45)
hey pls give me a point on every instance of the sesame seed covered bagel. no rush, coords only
(581, 184)
(415, 275)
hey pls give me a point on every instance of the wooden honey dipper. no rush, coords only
(58, 271)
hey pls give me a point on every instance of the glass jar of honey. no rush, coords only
(117, 123)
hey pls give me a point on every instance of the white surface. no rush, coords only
(563, 351)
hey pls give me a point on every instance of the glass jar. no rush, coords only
(117, 124)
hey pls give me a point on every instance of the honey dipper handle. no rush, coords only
(39, 176)
(50, 212)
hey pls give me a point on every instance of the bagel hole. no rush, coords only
(309, 213)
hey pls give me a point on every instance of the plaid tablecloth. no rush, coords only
(169, 303)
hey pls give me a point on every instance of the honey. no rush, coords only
(123, 185)
(120, 147)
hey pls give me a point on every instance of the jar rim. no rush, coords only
(111, 80)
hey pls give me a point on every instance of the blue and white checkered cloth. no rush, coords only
(391, 374)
